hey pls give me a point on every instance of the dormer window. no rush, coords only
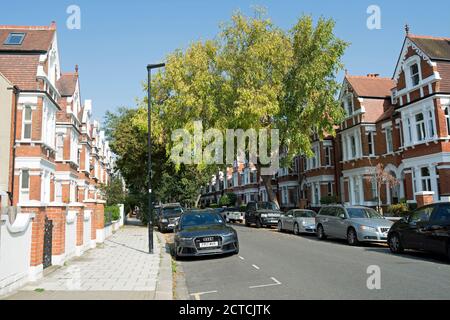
(15, 39)
(414, 74)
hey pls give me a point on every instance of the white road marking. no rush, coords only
(256, 267)
(199, 294)
(242, 258)
(276, 283)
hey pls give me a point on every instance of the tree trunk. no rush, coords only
(198, 200)
(267, 182)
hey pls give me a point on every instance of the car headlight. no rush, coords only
(164, 220)
(264, 216)
(366, 228)
(229, 235)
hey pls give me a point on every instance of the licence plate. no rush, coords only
(209, 244)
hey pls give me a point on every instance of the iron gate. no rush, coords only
(48, 243)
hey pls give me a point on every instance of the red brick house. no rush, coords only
(51, 139)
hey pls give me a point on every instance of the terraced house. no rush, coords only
(401, 122)
(57, 157)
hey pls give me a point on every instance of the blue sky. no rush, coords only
(119, 38)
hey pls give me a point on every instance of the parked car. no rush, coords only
(298, 221)
(234, 215)
(168, 216)
(427, 229)
(353, 223)
(204, 232)
(262, 214)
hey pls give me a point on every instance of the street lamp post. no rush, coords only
(150, 67)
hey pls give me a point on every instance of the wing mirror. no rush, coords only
(342, 216)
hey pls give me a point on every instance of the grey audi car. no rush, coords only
(204, 232)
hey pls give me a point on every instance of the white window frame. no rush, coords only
(447, 119)
(425, 181)
(24, 195)
(420, 126)
(58, 192)
(328, 156)
(371, 143)
(60, 146)
(389, 140)
(27, 122)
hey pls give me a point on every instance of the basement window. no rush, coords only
(15, 39)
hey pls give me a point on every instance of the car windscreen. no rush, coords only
(231, 209)
(268, 206)
(200, 219)
(172, 212)
(307, 214)
(363, 213)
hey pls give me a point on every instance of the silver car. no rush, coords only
(298, 221)
(355, 224)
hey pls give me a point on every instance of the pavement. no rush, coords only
(118, 269)
(281, 266)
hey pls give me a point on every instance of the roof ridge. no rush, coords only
(428, 37)
(52, 26)
(368, 77)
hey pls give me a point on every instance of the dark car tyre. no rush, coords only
(395, 244)
(258, 223)
(237, 249)
(321, 233)
(296, 229)
(352, 237)
(280, 226)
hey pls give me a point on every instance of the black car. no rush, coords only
(204, 232)
(262, 214)
(427, 229)
(168, 216)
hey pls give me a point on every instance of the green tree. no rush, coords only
(254, 75)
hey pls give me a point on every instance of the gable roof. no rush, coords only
(67, 83)
(435, 48)
(37, 39)
(371, 86)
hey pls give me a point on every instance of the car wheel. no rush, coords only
(296, 229)
(258, 223)
(280, 226)
(237, 249)
(247, 224)
(352, 237)
(395, 244)
(175, 253)
(321, 233)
